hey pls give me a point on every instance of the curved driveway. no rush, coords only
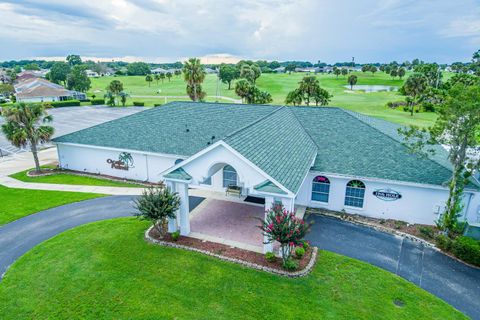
(446, 278)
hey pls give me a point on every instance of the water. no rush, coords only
(372, 88)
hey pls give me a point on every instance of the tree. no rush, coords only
(415, 85)
(169, 76)
(284, 227)
(242, 88)
(31, 66)
(227, 74)
(156, 77)
(123, 98)
(294, 97)
(344, 71)
(336, 71)
(149, 79)
(110, 97)
(113, 90)
(138, 69)
(251, 94)
(432, 73)
(6, 89)
(401, 73)
(157, 205)
(365, 68)
(59, 72)
(78, 80)
(162, 76)
(393, 73)
(352, 80)
(322, 97)
(308, 87)
(194, 74)
(74, 60)
(373, 69)
(25, 125)
(178, 72)
(457, 126)
(290, 68)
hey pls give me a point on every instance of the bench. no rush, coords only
(234, 190)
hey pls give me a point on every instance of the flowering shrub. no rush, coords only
(283, 226)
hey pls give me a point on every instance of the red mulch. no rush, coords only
(232, 252)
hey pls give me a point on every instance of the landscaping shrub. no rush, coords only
(467, 249)
(138, 104)
(299, 252)
(400, 224)
(47, 105)
(175, 235)
(84, 100)
(396, 104)
(270, 257)
(306, 245)
(97, 101)
(427, 232)
(290, 265)
(157, 104)
(66, 103)
(444, 242)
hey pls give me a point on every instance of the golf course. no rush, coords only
(278, 85)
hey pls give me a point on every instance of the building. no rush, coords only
(92, 74)
(158, 71)
(41, 90)
(323, 157)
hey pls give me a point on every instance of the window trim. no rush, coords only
(353, 197)
(328, 194)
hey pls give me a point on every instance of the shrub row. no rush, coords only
(464, 248)
(97, 101)
(138, 104)
(66, 103)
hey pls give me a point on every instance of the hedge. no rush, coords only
(66, 103)
(464, 248)
(157, 104)
(138, 104)
(97, 101)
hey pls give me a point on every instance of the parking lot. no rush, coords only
(70, 119)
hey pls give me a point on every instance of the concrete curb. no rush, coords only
(296, 274)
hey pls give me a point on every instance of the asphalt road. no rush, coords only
(448, 279)
(70, 119)
(452, 281)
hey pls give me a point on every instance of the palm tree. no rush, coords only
(194, 74)
(168, 75)
(294, 97)
(123, 97)
(308, 87)
(149, 79)
(162, 76)
(242, 88)
(156, 77)
(24, 126)
(414, 87)
(352, 80)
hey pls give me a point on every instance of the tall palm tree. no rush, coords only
(352, 80)
(309, 86)
(414, 87)
(24, 126)
(194, 74)
(157, 77)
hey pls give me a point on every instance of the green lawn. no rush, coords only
(278, 85)
(17, 203)
(67, 178)
(106, 270)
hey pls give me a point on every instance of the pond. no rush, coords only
(372, 88)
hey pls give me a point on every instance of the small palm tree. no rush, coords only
(157, 77)
(123, 98)
(149, 79)
(352, 80)
(194, 74)
(169, 76)
(24, 126)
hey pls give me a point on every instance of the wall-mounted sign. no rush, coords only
(124, 162)
(387, 194)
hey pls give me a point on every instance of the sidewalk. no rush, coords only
(24, 161)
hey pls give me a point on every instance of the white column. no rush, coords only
(288, 204)
(182, 189)
(172, 223)
(267, 247)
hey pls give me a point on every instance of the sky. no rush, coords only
(443, 31)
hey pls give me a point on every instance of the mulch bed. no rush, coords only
(232, 252)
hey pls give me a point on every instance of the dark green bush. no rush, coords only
(97, 101)
(270, 257)
(299, 252)
(157, 104)
(84, 100)
(444, 242)
(66, 103)
(427, 232)
(467, 249)
(138, 104)
(175, 235)
(305, 244)
(290, 265)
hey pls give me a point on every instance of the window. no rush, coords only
(229, 176)
(178, 161)
(320, 189)
(355, 194)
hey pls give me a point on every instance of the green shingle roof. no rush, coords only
(282, 141)
(179, 174)
(268, 186)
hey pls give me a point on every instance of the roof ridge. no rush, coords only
(303, 127)
(350, 113)
(252, 123)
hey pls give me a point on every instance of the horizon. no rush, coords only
(303, 30)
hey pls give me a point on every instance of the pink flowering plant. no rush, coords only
(283, 226)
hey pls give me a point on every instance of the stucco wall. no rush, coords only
(146, 167)
(417, 204)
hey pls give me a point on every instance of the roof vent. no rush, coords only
(208, 143)
(186, 128)
(213, 137)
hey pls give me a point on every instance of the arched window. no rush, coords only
(229, 176)
(355, 194)
(178, 161)
(320, 189)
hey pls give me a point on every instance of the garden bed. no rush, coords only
(243, 257)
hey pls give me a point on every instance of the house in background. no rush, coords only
(323, 157)
(158, 71)
(41, 90)
(91, 73)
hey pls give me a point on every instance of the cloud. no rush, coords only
(327, 30)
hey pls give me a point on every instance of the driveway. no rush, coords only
(448, 279)
(70, 119)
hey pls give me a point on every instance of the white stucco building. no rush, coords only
(321, 157)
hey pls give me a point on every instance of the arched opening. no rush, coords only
(355, 194)
(320, 189)
(230, 177)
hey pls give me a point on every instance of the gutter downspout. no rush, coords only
(467, 207)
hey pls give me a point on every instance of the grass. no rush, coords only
(18, 203)
(106, 270)
(373, 104)
(68, 178)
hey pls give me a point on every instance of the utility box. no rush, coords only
(472, 230)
